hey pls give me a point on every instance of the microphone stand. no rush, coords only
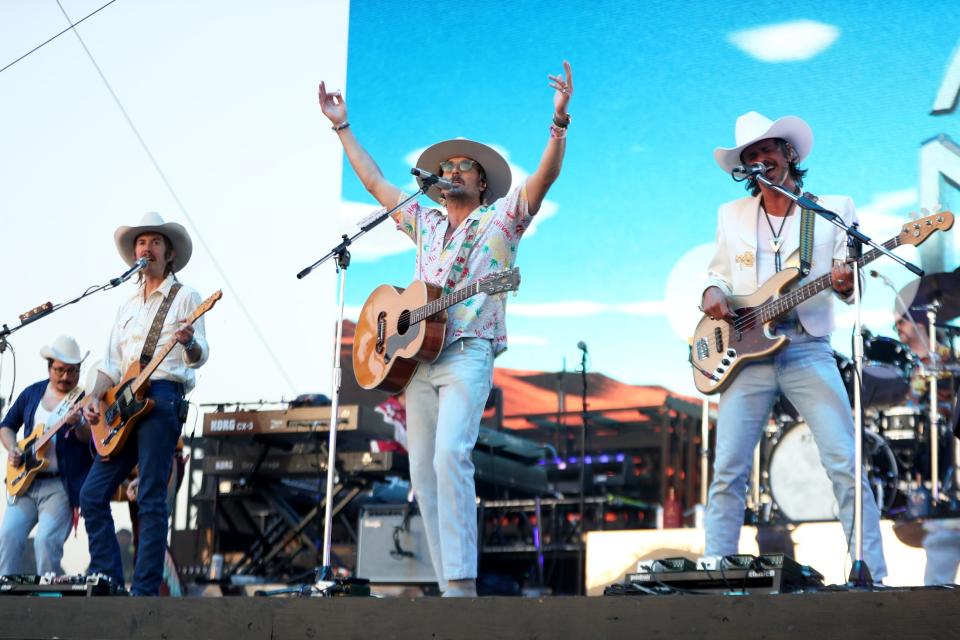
(325, 583)
(48, 308)
(583, 468)
(859, 572)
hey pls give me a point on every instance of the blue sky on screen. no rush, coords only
(618, 257)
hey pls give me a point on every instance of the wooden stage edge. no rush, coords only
(915, 613)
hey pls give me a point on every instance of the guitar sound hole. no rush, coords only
(403, 322)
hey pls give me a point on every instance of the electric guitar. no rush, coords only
(720, 348)
(400, 328)
(35, 447)
(126, 404)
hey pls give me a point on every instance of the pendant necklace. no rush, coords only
(776, 242)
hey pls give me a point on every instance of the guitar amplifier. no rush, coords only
(392, 546)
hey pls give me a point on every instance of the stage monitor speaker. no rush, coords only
(393, 546)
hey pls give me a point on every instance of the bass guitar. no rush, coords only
(126, 404)
(720, 348)
(36, 448)
(400, 328)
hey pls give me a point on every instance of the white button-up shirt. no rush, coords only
(129, 333)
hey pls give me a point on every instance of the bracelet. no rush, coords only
(340, 127)
(191, 344)
(558, 132)
(563, 123)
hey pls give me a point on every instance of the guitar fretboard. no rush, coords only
(782, 305)
(436, 306)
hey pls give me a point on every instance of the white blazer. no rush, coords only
(733, 268)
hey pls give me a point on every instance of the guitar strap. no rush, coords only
(64, 406)
(153, 337)
(807, 218)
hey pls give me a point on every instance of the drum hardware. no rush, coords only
(796, 483)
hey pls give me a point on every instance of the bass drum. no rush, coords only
(799, 484)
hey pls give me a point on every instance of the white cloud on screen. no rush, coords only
(786, 41)
(383, 240)
(580, 308)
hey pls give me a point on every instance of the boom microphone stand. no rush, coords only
(859, 573)
(325, 583)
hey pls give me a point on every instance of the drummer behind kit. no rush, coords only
(911, 466)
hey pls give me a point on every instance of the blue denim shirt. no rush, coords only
(73, 456)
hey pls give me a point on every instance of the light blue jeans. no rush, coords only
(444, 402)
(45, 504)
(806, 373)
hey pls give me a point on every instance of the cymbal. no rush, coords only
(940, 287)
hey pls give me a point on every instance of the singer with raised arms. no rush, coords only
(154, 315)
(757, 237)
(475, 234)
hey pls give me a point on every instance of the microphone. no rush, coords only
(139, 265)
(743, 171)
(582, 346)
(429, 179)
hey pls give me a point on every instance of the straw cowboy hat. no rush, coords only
(151, 222)
(65, 349)
(753, 126)
(494, 166)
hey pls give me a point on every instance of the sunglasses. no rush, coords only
(465, 165)
(65, 371)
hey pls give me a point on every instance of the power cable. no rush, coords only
(183, 210)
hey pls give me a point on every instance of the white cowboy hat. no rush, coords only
(494, 166)
(151, 222)
(65, 349)
(754, 126)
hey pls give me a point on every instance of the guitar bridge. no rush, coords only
(703, 349)
(381, 333)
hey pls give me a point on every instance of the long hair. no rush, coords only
(796, 173)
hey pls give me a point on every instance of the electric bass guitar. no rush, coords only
(720, 348)
(126, 404)
(400, 328)
(36, 448)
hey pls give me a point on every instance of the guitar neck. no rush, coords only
(785, 303)
(148, 370)
(443, 302)
(52, 431)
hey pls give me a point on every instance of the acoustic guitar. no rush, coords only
(721, 347)
(126, 404)
(400, 328)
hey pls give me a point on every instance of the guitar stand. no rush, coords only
(325, 584)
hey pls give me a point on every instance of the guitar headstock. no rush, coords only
(501, 282)
(917, 231)
(206, 305)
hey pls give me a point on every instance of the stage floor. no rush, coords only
(917, 613)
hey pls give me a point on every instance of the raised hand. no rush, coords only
(332, 105)
(564, 88)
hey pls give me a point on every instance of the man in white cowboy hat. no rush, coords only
(477, 236)
(54, 493)
(755, 237)
(160, 300)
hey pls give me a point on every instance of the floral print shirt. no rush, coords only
(495, 232)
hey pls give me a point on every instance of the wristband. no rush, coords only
(558, 132)
(563, 123)
(191, 344)
(340, 127)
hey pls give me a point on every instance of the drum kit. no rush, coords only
(911, 457)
